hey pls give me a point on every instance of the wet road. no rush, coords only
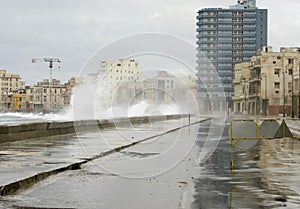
(181, 169)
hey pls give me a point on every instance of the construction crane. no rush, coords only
(51, 62)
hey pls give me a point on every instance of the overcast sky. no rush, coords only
(73, 30)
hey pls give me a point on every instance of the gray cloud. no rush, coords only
(75, 29)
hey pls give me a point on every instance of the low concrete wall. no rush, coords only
(9, 133)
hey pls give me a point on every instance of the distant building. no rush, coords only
(115, 76)
(165, 85)
(9, 83)
(189, 82)
(19, 102)
(148, 89)
(46, 97)
(240, 86)
(226, 37)
(273, 85)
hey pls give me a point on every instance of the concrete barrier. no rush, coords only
(9, 133)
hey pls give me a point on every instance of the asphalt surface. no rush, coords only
(187, 168)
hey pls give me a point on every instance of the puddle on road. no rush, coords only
(20, 153)
(264, 176)
(138, 154)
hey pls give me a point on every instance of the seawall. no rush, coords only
(10, 133)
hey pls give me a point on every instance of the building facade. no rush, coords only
(9, 83)
(46, 97)
(273, 84)
(116, 77)
(241, 86)
(226, 37)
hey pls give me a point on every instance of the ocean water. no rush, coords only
(141, 109)
(11, 118)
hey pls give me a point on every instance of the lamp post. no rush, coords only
(293, 93)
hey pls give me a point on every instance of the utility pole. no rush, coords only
(298, 89)
(293, 92)
(245, 96)
(51, 62)
(265, 100)
(284, 101)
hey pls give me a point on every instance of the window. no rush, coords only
(290, 61)
(276, 71)
(274, 62)
(276, 92)
(277, 85)
(290, 71)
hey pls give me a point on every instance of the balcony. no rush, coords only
(224, 15)
(224, 67)
(249, 47)
(209, 28)
(222, 74)
(225, 21)
(224, 54)
(249, 34)
(248, 54)
(226, 28)
(225, 34)
(247, 21)
(249, 41)
(228, 47)
(246, 27)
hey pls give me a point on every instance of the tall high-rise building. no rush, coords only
(226, 37)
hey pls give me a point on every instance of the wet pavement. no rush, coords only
(187, 168)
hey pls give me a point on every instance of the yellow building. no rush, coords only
(8, 83)
(18, 102)
(271, 85)
(241, 86)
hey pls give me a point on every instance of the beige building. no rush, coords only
(8, 83)
(120, 79)
(241, 86)
(273, 87)
(47, 97)
(165, 85)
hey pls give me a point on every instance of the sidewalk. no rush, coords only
(24, 159)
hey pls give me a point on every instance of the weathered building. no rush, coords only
(9, 83)
(274, 82)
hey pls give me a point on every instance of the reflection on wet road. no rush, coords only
(161, 173)
(266, 175)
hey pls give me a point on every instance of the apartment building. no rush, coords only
(115, 76)
(273, 85)
(9, 83)
(46, 96)
(225, 37)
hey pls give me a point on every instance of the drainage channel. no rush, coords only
(26, 183)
